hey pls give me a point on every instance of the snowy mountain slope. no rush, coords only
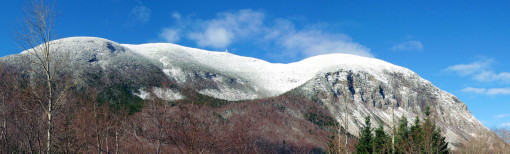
(266, 78)
(103, 65)
(369, 86)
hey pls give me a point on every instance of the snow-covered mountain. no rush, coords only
(264, 79)
(369, 86)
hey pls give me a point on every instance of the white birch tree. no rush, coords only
(49, 81)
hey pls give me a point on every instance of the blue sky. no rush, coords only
(460, 46)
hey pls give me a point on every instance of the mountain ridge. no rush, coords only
(279, 77)
(368, 86)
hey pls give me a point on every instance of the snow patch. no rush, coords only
(173, 71)
(162, 93)
(227, 93)
(167, 94)
(143, 94)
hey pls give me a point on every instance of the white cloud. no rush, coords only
(505, 124)
(487, 91)
(252, 27)
(170, 35)
(492, 76)
(408, 46)
(474, 90)
(213, 37)
(498, 91)
(221, 31)
(315, 42)
(141, 13)
(480, 70)
(501, 115)
(176, 15)
(472, 68)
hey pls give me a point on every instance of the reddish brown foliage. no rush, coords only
(83, 125)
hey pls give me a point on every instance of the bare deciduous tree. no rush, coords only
(503, 133)
(49, 81)
(484, 143)
(194, 132)
(158, 119)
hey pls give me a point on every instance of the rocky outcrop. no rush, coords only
(400, 95)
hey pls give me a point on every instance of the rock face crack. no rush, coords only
(381, 91)
(350, 81)
(111, 47)
(93, 59)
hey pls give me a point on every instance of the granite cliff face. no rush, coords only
(368, 86)
(400, 95)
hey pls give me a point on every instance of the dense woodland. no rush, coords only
(43, 110)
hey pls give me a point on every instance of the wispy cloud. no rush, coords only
(501, 115)
(507, 124)
(408, 46)
(487, 91)
(471, 68)
(213, 37)
(141, 13)
(493, 76)
(221, 31)
(480, 70)
(312, 42)
(255, 28)
(170, 35)
(474, 90)
(176, 15)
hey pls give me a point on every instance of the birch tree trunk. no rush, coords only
(48, 82)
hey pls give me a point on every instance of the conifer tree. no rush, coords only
(402, 136)
(416, 136)
(365, 143)
(433, 141)
(380, 142)
(440, 144)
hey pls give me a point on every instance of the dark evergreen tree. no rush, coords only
(416, 137)
(433, 142)
(402, 137)
(381, 140)
(365, 143)
(440, 144)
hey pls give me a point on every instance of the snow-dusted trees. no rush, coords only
(49, 82)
